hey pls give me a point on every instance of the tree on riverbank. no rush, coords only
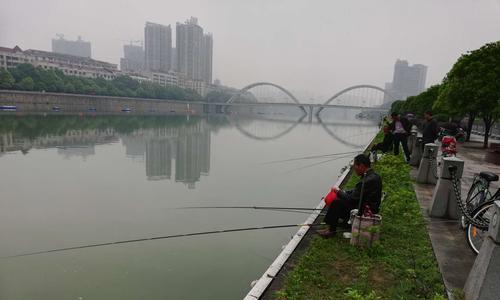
(26, 77)
(472, 87)
(418, 104)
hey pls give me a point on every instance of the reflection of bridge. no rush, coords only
(343, 99)
(352, 134)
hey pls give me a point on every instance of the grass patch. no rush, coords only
(399, 266)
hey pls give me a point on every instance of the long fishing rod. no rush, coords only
(310, 157)
(251, 207)
(162, 238)
(315, 164)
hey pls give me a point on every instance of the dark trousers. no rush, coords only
(340, 208)
(403, 139)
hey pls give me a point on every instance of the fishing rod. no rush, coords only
(162, 238)
(251, 207)
(310, 157)
(315, 164)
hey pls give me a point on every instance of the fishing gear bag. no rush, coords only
(365, 227)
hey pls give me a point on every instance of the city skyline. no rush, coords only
(331, 47)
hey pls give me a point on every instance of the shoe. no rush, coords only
(322, 231)
(327, 234)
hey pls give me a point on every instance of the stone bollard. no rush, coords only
(416, 153)
(482, 283)
(412, 138)
(427, 171)
(444, 200)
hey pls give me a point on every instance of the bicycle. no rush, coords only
(478, 207)
(476, 234)
(479, 193)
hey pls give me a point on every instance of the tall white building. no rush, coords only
(207, 55)
(158, 47)
(407, 80)
(194, 51)
(133, 58)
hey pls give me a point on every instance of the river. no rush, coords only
(75, 180)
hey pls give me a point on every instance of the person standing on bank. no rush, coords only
(400, 128)
(430, 130)
(371, 186)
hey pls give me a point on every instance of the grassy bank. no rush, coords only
(400, 266)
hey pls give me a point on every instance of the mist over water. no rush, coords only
(69, 181)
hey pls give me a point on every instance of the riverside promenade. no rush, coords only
(455, 257)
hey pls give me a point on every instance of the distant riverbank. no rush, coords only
(42, 102)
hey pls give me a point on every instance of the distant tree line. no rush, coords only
(471, 90)
(26, 77)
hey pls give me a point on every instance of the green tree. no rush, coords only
(397, 106)
(6, 79)
(218, 96)
(472, 87)
(27, 84)
(69, 88)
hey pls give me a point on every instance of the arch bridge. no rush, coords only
(356, 97)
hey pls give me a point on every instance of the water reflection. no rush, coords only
(169, 142)
(130, 186)
(171, 148)
(188, 147)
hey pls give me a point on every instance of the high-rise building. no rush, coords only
(158, 47)
(407, 80)
(77, 48)
(133, 58)
(174, 58)
(189, 43)
(207, 54)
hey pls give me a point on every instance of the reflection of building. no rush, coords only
(189, 146)
(407, 81)
(158, 159)
(79, 142)
(193, 155)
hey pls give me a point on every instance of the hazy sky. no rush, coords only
(320, 46)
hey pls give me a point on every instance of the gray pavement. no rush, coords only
(454, 256)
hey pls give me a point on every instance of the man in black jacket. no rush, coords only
(400, 128)
(430, 130)
(387, 142)
(371, 187)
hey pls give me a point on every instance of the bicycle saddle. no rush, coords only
(489, 176)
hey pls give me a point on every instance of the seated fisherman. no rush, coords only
(370, 183)
(386, 144)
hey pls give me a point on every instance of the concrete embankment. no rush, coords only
(37, 102)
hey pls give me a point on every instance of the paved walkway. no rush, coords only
(454, 256)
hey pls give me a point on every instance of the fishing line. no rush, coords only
(161, 238)
(251, 207)
(309, 157)
(315, 164)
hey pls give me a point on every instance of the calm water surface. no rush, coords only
(68, 181)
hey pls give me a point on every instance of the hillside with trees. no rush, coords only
(26, 77)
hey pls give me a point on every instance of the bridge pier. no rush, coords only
(311, 110)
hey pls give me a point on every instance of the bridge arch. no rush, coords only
(250, 86)
(274, 137)
(360, 86)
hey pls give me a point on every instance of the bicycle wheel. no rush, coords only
(475, 197)
(475, 235)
